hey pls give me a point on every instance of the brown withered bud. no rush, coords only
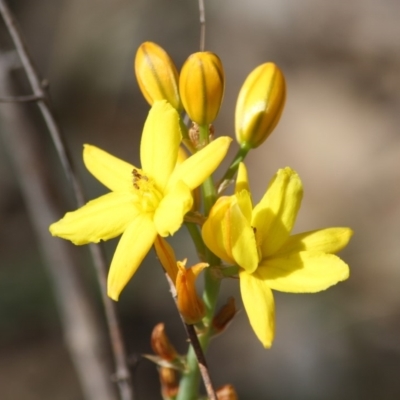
(227, 392)
(169, 382)
(190, 305)
(161, 344)
(224, 316)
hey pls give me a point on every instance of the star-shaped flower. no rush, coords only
(143, 203)
(258, 240)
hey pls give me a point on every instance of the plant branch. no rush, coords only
(196, 348)
(30, 98)
(99, 259)
(194, 340)
(82, 331)
(202, 18)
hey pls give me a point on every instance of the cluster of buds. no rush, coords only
(199, 90)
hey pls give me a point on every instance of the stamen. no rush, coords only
(147, 196)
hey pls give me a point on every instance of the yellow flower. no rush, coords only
(143, 203)
(258, 240)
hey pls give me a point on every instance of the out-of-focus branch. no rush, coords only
(81, 327)
(122, 373)
(202, 20)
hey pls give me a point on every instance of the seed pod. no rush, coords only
(201, 85)
(259, 105)
(157, 75)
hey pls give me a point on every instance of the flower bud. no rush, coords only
(157, 75)
(161, 344)
(259, 105)
(227, 392)
(190, 305)
(224, 316)
(201, 85)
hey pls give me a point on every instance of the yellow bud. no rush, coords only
(201, 85)
(161, 344)
(259, 105)
(190, 305)
(157, 75)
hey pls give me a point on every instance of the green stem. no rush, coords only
(197, 239)
(189, 384)
(239, 157)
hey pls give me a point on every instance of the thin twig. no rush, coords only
(202, 17)
(30, 98)
(99, 259)
(194, 341)
(81, 327)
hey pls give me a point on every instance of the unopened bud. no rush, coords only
(161, 344)
(190, 305)
(169, 382)
(201, 85)
(224, 316)
(259, 105)
(227, 392)
(157, 75)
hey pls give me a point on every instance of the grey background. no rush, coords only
(340, 131)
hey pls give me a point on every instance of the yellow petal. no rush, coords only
(329, 240)
(260, 308)
(242, 239)
(169, 215)
(197, 168)
(304, 272)
(215, 232)
(111, 171)
(135, 243)
(276, 213)
(242, 180)
(166, 255)
(160, 142)
(243, 199)
(101, 219)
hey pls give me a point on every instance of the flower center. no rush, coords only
(147, 196)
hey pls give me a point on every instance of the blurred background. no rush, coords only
(339, 130)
